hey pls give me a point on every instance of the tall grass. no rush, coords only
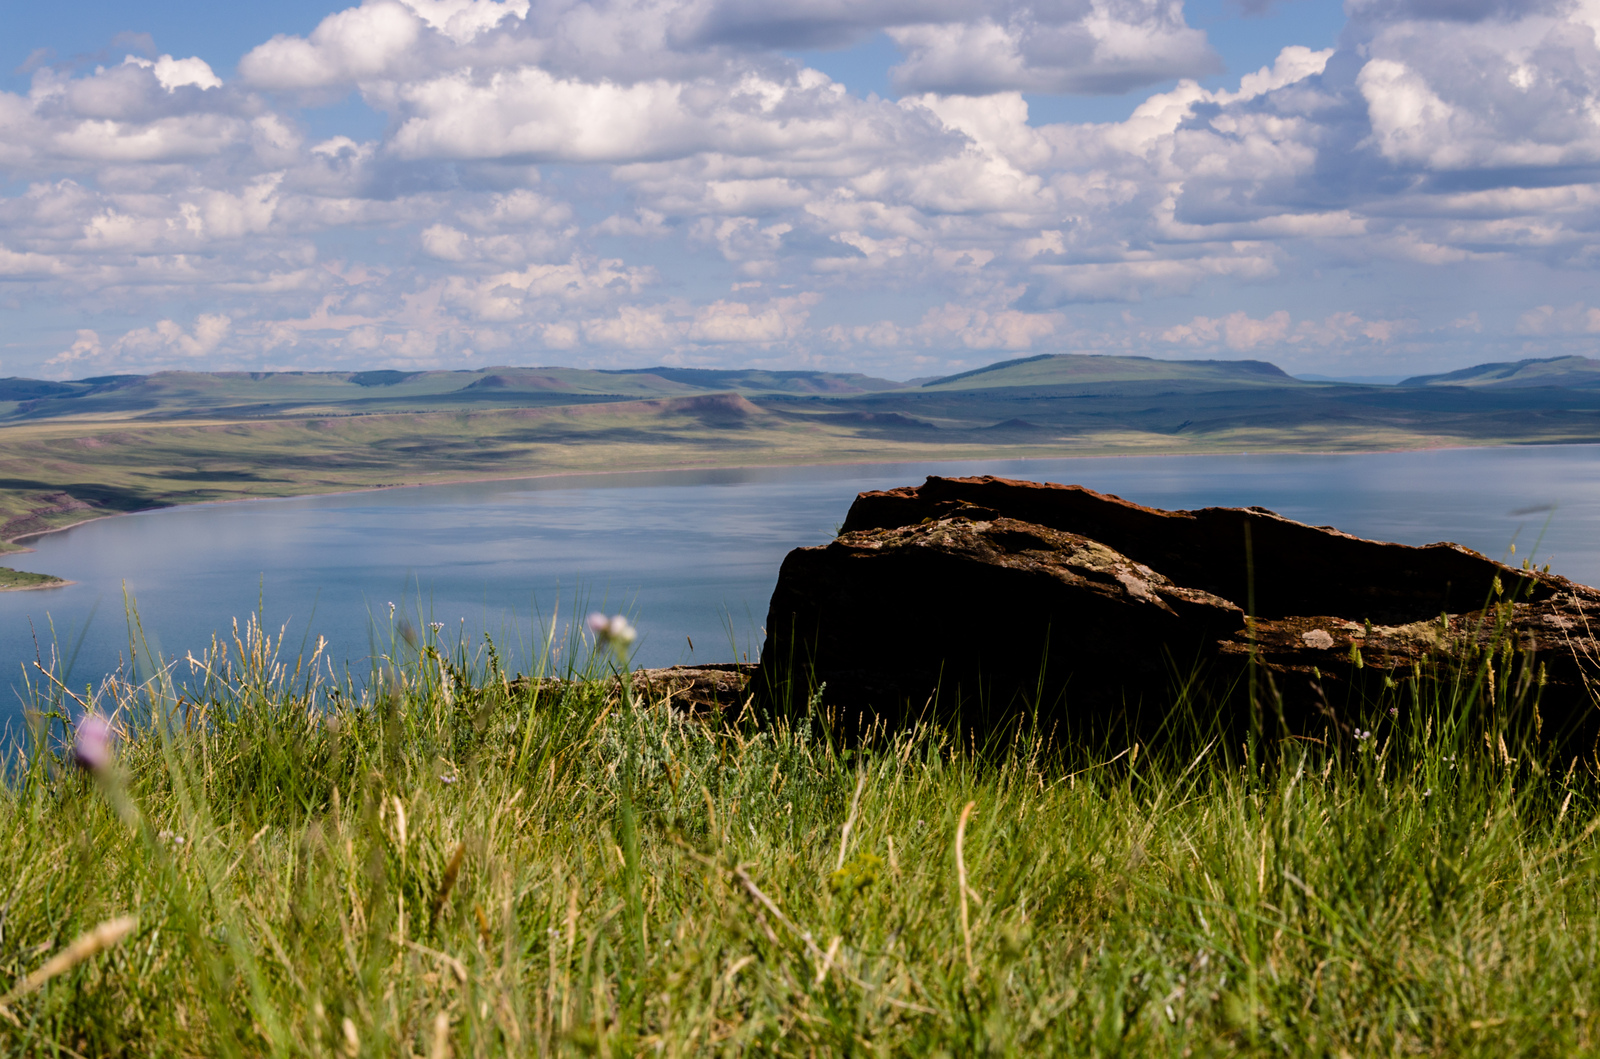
(458, 863)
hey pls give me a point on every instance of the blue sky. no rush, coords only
(903, 188)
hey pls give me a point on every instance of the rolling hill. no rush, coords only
(75, 450)
(178, 394)
(1566, 372)
(1081, 370)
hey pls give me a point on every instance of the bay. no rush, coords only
(691, 556)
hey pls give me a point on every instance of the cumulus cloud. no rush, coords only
(172, 74)
(1087, 47)
(1239, 332)
(629, 179)
(373, 40)
(950, 46)
(166, 344)
(970, 327)
(1577, 318)
(1450, 10)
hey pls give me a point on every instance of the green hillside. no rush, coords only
(1076, 369)
(186, 394)
(1568, 372)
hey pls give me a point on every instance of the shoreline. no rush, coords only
(22, 548)
(47, 581)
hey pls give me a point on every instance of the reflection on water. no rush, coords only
(692, 555)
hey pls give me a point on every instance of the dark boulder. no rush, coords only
(977, 597)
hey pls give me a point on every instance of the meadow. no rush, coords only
(446, 859)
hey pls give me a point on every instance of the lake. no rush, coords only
(692, 556)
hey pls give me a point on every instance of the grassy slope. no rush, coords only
(1547, 371)
(14, 580)
(252, 395)
(1076, 369)
(628, 883)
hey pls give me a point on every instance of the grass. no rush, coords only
(457, 863)
(11, 580)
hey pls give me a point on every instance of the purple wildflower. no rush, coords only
(91, 744)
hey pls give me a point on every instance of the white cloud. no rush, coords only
(1577, 318)
(1100, 46)
(727, 321)
(166, 344)
(1276, 334)
(1140, 278)
(625, 179)
(374, 40)
(968, 326)
(175, 73)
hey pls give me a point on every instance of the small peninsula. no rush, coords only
(21, 580)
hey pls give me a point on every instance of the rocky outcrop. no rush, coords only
(978, 596)
(714, 689)
(43, 515)
(718, 688)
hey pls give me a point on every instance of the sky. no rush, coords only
(899, 187)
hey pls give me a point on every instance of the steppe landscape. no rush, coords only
(671, 528)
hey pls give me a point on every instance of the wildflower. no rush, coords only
(615, 630)
(391, 608)
(1362, 737)
(447, 778)
(1394, 711)
(91, 744)
(436, 625)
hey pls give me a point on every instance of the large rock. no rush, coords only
(974, 597)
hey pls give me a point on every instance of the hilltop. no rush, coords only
(1566, 372)
(255, 395)
(264, 395)
(1076, 369)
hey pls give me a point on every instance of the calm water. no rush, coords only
(691, 555)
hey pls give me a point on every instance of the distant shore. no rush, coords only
(24, 581)
(17, 544)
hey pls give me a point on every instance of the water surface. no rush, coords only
(691, 555)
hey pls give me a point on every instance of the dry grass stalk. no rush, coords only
(85, 945)
(447, 883)
(961, 883)
(850, 821)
